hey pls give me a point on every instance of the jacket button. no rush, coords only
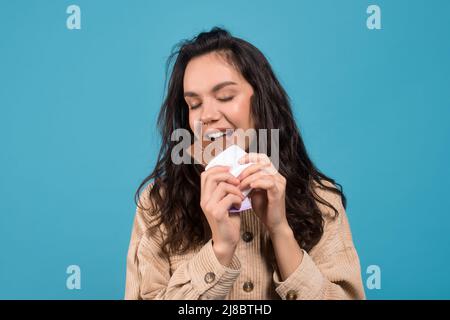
(209, 277)
(291, 295)
(247, 236)
(248, 286)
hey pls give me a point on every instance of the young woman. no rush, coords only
(295, 240)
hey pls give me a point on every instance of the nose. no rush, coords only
(210, 112)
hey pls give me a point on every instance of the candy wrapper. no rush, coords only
(226, 156)
(229, 157)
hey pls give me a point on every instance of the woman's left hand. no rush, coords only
(268, 191)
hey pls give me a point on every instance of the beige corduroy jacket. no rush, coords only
(330, 270)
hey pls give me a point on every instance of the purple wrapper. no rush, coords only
(245, 205)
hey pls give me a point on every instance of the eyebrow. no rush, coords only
(216, 88)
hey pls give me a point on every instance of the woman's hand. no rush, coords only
(268, 191)
(219, 192)
(269, 203)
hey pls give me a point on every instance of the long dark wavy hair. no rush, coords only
(175, 190)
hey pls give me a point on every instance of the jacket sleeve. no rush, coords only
(331, 270)
(148, 274)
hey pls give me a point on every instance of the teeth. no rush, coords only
(215, 135)
(218, 134)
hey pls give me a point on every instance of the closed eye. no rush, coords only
(225, 99)
(195, 106)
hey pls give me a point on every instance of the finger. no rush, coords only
(223, 176)
(254, 177)
(254, 157)
(251, 170)
(205, 174)
(224, 189)
(230, 200)
(263, 184)
(212, 180)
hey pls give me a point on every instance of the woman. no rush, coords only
(293, 243)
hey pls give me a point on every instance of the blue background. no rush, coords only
(77, 128)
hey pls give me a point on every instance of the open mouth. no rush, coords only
(214, 135)
(213, 141)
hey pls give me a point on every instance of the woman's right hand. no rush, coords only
(219, 191)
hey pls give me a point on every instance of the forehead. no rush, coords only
(205, 71)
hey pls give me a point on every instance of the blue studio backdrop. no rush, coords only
(78, 108)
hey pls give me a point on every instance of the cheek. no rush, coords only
(191, 121)
(238, 112)
(194, 118)
(194, 123)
